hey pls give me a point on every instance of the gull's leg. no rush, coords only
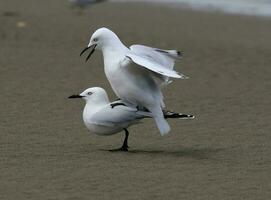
(124, 146)
(125, 142)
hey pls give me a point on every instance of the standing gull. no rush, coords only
(105, 118)
(138, 73)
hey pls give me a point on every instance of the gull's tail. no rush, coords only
(160, 121)
(167, 114)
(160, 117)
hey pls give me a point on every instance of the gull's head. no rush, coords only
(94, 94)
(101, 38)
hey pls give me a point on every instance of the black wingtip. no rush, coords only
(180, 53)
(170, 114)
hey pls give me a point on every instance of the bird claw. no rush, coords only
(123, 148)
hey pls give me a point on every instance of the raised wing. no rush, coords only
(156, 60)
(164, 57)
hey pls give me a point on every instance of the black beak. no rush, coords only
(75, 96)
(91, 52)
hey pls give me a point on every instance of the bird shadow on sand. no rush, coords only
(195, 153)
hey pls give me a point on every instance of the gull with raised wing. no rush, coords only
(138, 73)
(106, 118)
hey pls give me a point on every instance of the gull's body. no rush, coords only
(99, 116)
(103, 117)
(138, 73)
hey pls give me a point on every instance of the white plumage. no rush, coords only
(99, 116)
(138, 73)
(106, 118)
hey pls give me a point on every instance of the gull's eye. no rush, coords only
(89, 93)
(95, 39)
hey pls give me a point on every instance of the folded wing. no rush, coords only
(108, 116)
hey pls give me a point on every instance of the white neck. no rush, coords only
(94, 104)
(113, 46)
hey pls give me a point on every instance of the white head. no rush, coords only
(94, 95)
(103, 38)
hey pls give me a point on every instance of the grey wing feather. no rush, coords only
(164, 57)
(157, 60)
(109, 116)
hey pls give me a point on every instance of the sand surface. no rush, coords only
(47, 153)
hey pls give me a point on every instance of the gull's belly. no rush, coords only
(102, 130)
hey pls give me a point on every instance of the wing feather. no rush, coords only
(157, 60)
(153, 66)
(108, 116)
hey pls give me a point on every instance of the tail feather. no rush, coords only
(160, 117)
(162, 125)
(160, 121)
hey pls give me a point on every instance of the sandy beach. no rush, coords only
(47, 153)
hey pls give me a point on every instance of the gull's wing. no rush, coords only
(117, 116)
(156, 60)
(164, 57)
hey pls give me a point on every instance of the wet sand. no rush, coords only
(47, 153)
